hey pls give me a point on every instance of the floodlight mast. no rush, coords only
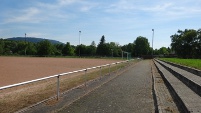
(25, 51)
(152, 42)
(122, 54)
(79, 42)
(112, 52)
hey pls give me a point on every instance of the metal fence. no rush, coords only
(64, 74)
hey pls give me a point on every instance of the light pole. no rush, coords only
(152, 42)
(112, 52)
(25, 43)
(122, 54)
(79, 42)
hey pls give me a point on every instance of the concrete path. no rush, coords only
(130, 92)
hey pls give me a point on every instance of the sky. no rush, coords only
(120, 21)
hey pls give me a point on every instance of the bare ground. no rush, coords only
(19, 69)
(26, 95)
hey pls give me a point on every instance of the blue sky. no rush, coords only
(121, 21)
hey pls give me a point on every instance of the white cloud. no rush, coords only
(67, 2)
(168, 10)
(36, 34)
(157, 7)
(120, 6)
(57, 5)
(26, 15)
(62, 19)
(173, 10)
(86, 8)
(39, 12)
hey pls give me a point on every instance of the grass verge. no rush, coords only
(17, 98)
(195, 63)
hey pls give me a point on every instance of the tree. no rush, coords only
(141, 46)
(10, 47)
(44, 48)
(105, 49)
(163, 51)
(68, 50)
(115, 49)
(186, 43)
(21, 48)
(102, 40)
(197, 45)
(1, 46)
(93, 44)
(82, 49)
(129, 48)
(91, 50)
(101, 48)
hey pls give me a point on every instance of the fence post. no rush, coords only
(100, 72)
(109, 69)
(58, 87)
(85, 77)
(128, 63)
(116, 67)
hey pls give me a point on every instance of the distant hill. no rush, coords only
(33, 40)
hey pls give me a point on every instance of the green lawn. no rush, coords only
(195, 63)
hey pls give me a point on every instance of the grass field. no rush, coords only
(195, 63)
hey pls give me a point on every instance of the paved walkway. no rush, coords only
(130, 92)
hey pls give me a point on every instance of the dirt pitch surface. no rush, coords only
(19, 69)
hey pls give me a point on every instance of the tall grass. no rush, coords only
(195, 63)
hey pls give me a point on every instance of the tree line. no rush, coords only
(187, 43)
(139, 47)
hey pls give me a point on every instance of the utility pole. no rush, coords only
(122, 54)
(112, 52)
(25, 44)
(79, 42)
(152, 42)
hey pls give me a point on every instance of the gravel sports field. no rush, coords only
(19, 69)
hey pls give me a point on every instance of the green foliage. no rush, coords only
(31, 49)
(93, 44)
(44, 48)
(102, 48)
(187, 43)
(102, 41)
(141, 46)
(68, 50)
(108, 49)
(163, 50)
(129, 48)
(91, 50)
(1, 46)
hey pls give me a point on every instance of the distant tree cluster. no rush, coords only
(187, 43)
(139, 47)
(162, 51)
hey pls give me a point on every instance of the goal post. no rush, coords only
(126, 55)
